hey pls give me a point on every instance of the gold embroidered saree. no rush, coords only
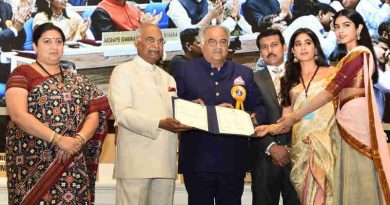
(313, 161)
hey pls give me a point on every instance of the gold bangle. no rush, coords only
(276, 127)
(56, 139)
(273, 132)
(294, 115)
(81, 136)
(52, 137)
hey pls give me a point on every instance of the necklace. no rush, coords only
(58, 17)
(50, 75)
(308, 85)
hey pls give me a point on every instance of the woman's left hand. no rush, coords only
(62, 156)
(69, 145)
(262, 130)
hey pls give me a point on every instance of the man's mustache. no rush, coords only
(271, 54)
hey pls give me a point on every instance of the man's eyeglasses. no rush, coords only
(151, 40)
(213, 43)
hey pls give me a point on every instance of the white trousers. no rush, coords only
(155, 191)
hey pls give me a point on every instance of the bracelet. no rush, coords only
(80, 136)
(56, 139)
(294, 115)
(53, 133)
(274, 126)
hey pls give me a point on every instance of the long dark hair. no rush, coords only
(365, 39)
(293, 70)
(43, 6)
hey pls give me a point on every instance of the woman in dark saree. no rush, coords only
(57, 127)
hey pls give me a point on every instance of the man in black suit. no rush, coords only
(269, 156)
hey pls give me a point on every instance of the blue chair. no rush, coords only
(87, 15)
(159, 7)
(2, 90)
(78, 2)
(28, 28)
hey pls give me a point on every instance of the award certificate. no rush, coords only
(214, 119)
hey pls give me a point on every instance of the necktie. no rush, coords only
(278, 75)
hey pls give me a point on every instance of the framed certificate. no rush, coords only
(214, 119)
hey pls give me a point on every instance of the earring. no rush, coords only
(358, 36)
(316, 57)
(295, 59)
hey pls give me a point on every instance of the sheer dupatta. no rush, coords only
(368, 139)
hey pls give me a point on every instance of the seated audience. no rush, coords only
(190, 43)
(5, 13)
(231, 17)
(382, 87)
(373, 15)
(185, 14)
(320, 24)
(303, 8)
(119, 15)
(70, 22)
(384, 29)
(262, 14)
(12, 36)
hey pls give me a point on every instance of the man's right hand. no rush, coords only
(173, 125)
(21, 16)
(279, 154)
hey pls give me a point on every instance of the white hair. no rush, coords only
(141, 28)
(203, 30)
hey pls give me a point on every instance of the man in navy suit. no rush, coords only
(262, 14)
(12, 37)
(269, 157)
(214, 165)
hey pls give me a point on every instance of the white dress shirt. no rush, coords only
(179, 16)
(274, 70)
(328, 43)
(373, 15)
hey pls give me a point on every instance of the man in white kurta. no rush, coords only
(140, 96)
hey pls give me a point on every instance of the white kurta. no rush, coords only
(139, 97)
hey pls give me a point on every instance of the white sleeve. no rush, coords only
(384, 79)
(13, 29)
(40, 18)
(122, 106)
(373, 16)
(179, 15)
(244, 25)
(229, 23)
(330, 43)
(287, 33)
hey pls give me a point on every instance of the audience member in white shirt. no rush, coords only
(319, 24)
(372, 15)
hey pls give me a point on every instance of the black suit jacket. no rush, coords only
(265, 84)
(101, 22)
